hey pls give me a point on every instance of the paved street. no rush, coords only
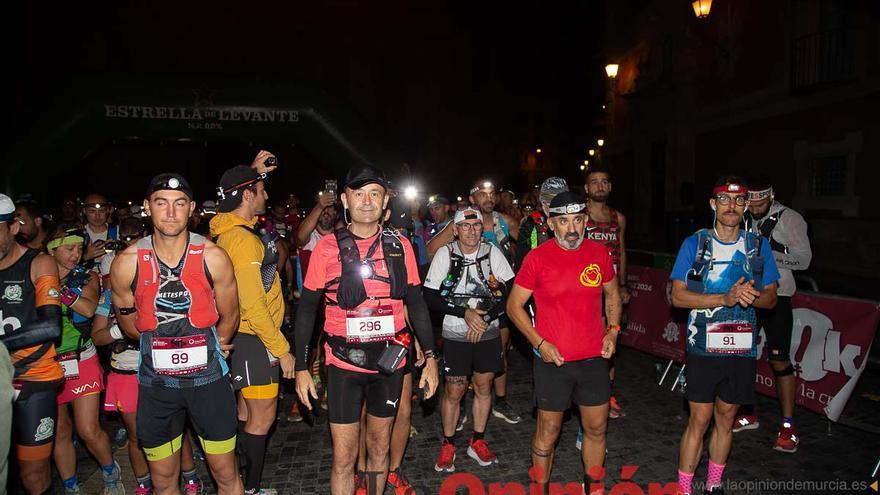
(299, 458)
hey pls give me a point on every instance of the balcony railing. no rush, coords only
(823, 59)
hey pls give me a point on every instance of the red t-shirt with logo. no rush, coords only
(567, 287)
(324, 266)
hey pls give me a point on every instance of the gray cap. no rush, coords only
(550, 188)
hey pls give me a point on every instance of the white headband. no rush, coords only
(762, 194)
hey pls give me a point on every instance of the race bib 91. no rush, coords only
(374, 324)
(180, 355)
(729, 338)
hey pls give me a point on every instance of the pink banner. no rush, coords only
(831, 338)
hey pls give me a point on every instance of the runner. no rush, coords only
(121, 393)
(496, 230)
(607, 226)
(33, 229)
(568, 279)
(468, 283)
(83, 375)
(439, 210)
(533, 230)
(259, 347)
(786, 232)
(31, 315)
(96, 211)
(365, 327)
(175, 292)
(721, 275)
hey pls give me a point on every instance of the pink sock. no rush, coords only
(713, 478)
(685, 481)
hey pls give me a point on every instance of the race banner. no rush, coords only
(830, 344)
(652, 324)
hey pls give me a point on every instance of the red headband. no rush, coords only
(731, 188)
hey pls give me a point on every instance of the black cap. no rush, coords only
(567, 203)
(169, 182)
(358, 177)
(232, 184)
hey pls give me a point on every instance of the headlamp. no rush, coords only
(366, 270)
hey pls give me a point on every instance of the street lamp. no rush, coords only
(538, 151)
(600, 142)
(592, 152)
(586, 162)
(583, 167)
(702, 8)
(611, 70)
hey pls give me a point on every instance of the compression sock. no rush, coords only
(500, 399)
(685, 482)
(478, 435)
(71, 483)
(449, 440)
(713, 477)
(255, 451)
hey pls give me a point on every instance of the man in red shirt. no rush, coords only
(568, 278)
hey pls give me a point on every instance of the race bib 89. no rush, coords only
(180, 355)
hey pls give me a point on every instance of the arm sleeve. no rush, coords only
(246, 255)
(304, 326)
(438, 305)
(793, 232)
(418, 316)
(46, 327)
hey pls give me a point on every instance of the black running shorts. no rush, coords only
(465, 358)
(254, 371)
(34, 414)
(777, 323)
(585, 382)
(162, 413)
(346, 391)
(731, 379)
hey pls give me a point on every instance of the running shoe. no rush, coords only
(446, 459)
(505, 411)
(397, 484)
(360, 483)
(113, 481)
(262, 491)
(72, 491)
(294, 415)
(787, 439)
(143, 490)
(193, 487)
(614, 409)
(746, 422)
(579, 443)
(120, 440)
(480, 452)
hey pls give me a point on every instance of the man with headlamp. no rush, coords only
(721, 274)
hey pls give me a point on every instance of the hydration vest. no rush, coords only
(349, 287)
(766, 229)
(269, 263)
(696, 276)
(457, 265)
(202, 312)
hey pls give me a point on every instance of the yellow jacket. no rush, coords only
(262, 313)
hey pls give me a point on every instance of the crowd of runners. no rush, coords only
(186, 319)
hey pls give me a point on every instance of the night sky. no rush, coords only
(450, 89)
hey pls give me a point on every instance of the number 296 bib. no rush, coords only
(729, 338)
(180, 355)
(374, 324)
